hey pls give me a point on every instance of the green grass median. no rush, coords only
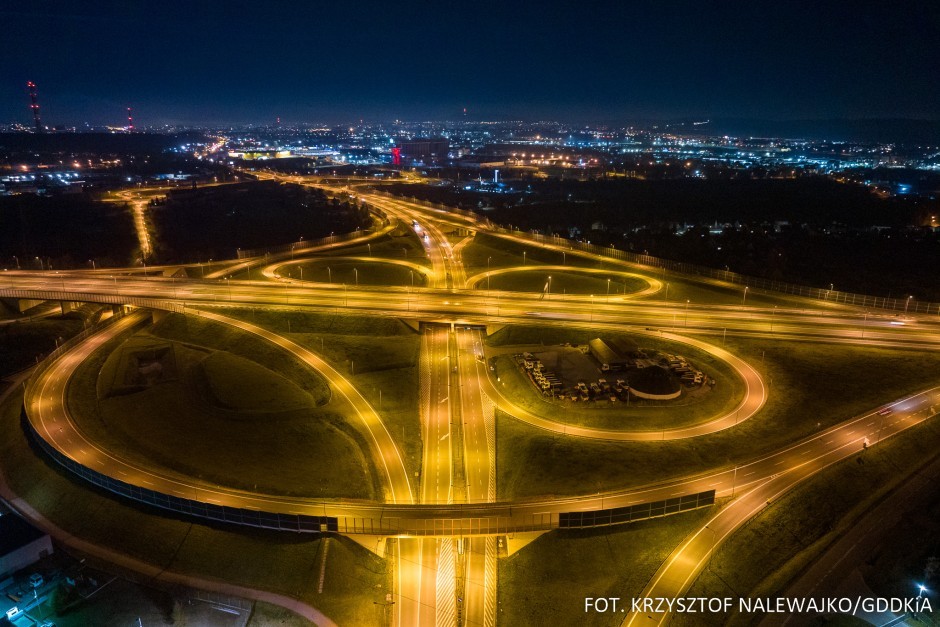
(547, 581)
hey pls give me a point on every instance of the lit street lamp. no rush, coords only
(744, 298)
(608, 291)
(356, 270)
(907, 303)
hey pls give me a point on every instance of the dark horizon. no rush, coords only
(238, 63)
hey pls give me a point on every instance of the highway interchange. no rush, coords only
(446, 520)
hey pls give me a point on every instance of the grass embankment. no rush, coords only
(487, 251)
(401, 243)
(348, 272)
(565, 283)
(545, 583)
(900, 562)
(225, 376)
(225, 419)
(760, 559)
(375, 354)
(602, 414)
(204, 269)
(811, 386)
(280, 562)
(267, 615)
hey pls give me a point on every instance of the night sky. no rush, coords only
(247, 62)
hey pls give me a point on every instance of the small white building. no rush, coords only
(21, 544)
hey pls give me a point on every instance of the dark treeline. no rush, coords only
(212, 222)
(626, 204)
(67, 230)
(94, 143)
(809, 230)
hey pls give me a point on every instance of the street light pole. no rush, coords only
(607, 299)
(744, 298)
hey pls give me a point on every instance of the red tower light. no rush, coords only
(396, 156)
(34, 105)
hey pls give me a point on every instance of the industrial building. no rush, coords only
(427, 151)
(608, 358)
(21, 544)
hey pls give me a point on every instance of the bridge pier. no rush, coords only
(23, 304)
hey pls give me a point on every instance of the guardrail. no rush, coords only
(643, 511)
(384, 521)
(191, 507)
(907, 305)
(477, 518)
(105, 298)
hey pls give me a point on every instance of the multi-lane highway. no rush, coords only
(795, 464)
(481, 307)
(450, 576)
